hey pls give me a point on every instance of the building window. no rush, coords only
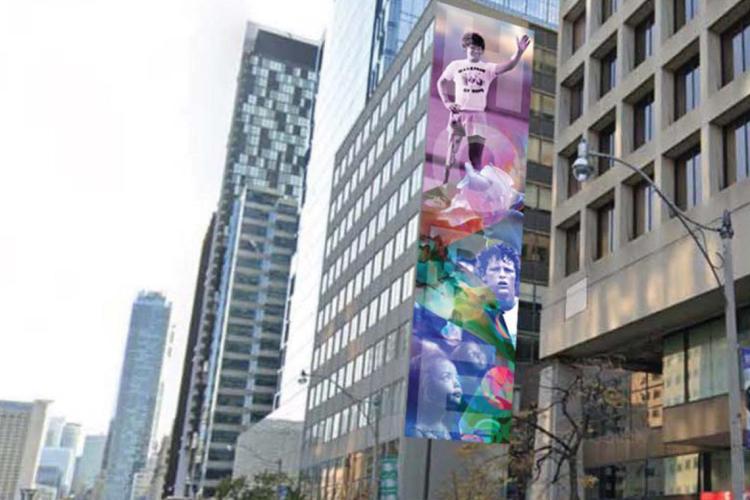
(540, 151)
(608, 73)
(644, 39)
(643, 128)
(684, 11)
(735, 49)
(573, 185)
(579, 31)
(687, 87)
(572, 248)
(643, 197)
(576, 100)
(687, 180)
(606, 146)
(605, 229)
(609, 7)
(542, 104)
(737, 151)
(695, 363)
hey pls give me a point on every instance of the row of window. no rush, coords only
(384, 140)
(346, 476)
(687, 190)
(406, 107)
(388, 171)
(399, 291)
(400, 197)
(358, 415)
(377, 355)
(683, 11)
(661, 476)
(272, 65)
(735, 57)
(377, 264)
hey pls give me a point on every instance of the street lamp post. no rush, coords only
(373, 424)
(584, 170)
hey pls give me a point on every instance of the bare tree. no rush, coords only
(589, 402)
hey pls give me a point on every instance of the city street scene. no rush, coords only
(375, 249)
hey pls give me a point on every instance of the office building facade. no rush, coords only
(662, 85)
(89, 464)
(366, 296)
(236, 356)
(133, 422)
(379, 29)
(70, 437)
(187, 415)
(56, 469)
(55, 427)
(22, 434)
(341, 95)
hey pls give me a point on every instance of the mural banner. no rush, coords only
(745, 362)
(462, 358)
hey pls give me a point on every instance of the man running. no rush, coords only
(471, 78)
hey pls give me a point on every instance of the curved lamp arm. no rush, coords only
(690, 225)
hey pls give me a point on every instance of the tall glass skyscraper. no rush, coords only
(133, 423)
(235, 358)
(342, 93)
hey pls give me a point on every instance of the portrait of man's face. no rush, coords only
(500, 275)
(441, 383)
(474, 52)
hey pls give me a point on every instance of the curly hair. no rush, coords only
(472, 38)
(501, 251)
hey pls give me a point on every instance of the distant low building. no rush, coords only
(269, 445)
(89, 464)
(56, 468)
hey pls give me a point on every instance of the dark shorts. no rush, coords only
(468, 124)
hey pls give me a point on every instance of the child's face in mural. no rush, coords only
(451, 334)
(476, 356)
(501, 277)
(442, 385)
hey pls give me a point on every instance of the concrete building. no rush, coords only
(132, 426)
(188, 414)
(56, 469)
(664, 86)
(54, 431)
(378, 29)
(235, 360)
(156, 488)
(384, 168)
(22, 433)
(269, 445)
(71, 437)
(89, 464)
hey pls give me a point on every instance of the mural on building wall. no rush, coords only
(462, 359)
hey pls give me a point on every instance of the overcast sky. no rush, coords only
(114, 118)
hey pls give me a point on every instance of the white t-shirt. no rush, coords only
(472, 81)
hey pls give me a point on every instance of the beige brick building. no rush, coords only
(664, 85)
(22, 429)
